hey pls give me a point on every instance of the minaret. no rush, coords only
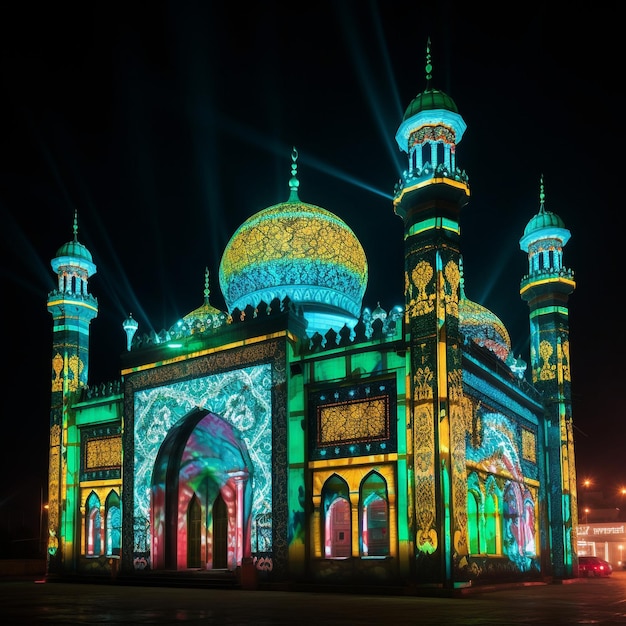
(546, 288)
(72, 308)
(429, 199)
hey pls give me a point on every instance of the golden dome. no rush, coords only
(300, 251)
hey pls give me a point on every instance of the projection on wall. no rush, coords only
(242, 399)
(507, 502)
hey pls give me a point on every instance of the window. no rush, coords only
(113, 526)
(374, 516)
(337, 518)
(492, 522)
(93, 526)
(484, 517)
(473, 523)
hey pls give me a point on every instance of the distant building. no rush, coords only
(311, 438)
(606, 540)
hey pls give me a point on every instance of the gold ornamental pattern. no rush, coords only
(74, 366)
(294, 231)
(547, 370)
(420, 303)
(103, 453)
(362, 420)
(529, 445)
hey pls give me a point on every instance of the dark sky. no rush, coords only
(165, 125)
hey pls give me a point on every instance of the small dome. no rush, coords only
(480, 325)
(74, 249)
(74, 254)
(300, 251)
(430, 108)
(379, 313)
(428, 100)
(544, 219)
(483, 327)
(544, 225)
(205, 318)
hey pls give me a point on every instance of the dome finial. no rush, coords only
(294, 183)
(75, 226)
(429, 66)
(542, 196)
(207, 291)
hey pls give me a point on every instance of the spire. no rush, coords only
(542, 196)
(429, 66)
(294, 183)
(461, 279)
(75, 226)
(207, 291)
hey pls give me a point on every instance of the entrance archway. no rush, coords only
(201, 495)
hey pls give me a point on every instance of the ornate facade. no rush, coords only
(312, 440)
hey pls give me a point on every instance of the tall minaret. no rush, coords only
(72, 308)
(429, 199)
(546, 288)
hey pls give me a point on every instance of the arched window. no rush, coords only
(374, 516)
(427, 153)
(492, 523)
(337, 518)
(93, 524)
(493, 517)
(530, 547)
(113, 526)
(473, 523)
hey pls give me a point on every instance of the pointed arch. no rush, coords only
(493, 516)
(202, 458)
(93, 525)
(219, 534)
(519, 524)
(374, 516)
(337, 539)
(475, 499)
(113, 525)
(194, 533)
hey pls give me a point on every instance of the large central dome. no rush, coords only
(300, 251)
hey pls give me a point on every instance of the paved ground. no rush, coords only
(584, 601)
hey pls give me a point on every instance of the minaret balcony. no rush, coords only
(59, 301)
(419, 176)
(563, 275)
(58, 294)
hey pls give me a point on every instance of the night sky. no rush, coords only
(166, 125)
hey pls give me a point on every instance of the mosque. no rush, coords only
(298, 437)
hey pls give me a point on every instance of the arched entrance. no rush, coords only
(201, 496)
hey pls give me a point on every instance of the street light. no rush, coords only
(584, 500)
